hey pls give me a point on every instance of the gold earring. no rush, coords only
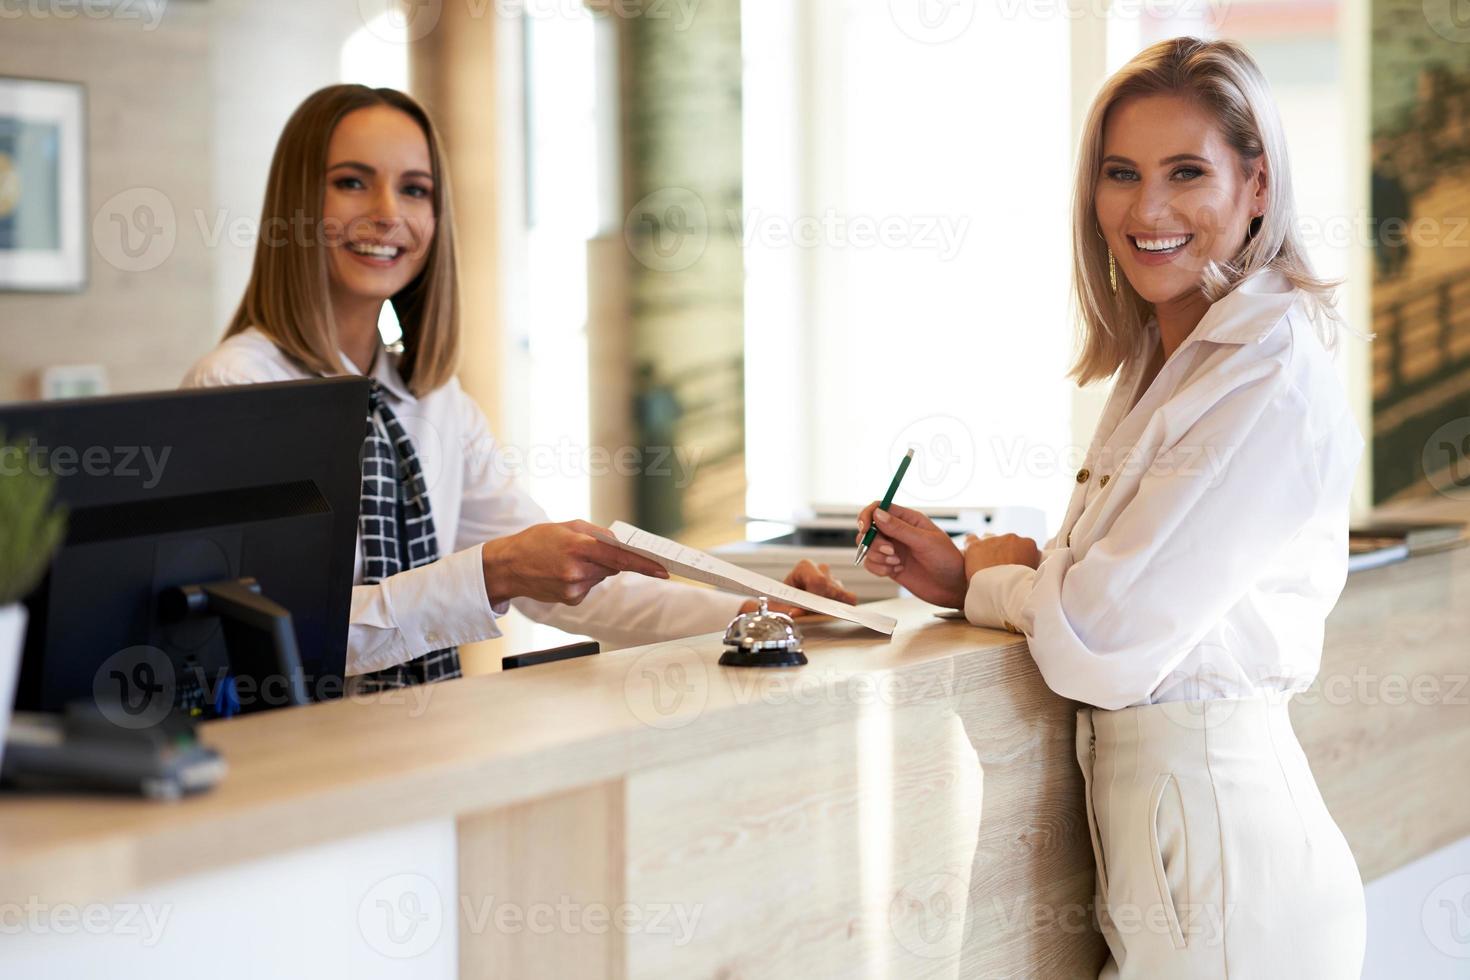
(1112, 272)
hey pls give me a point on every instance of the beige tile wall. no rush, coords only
(148, 98)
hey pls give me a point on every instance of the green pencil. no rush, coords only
(887, 502)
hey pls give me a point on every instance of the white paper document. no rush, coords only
(695, 564)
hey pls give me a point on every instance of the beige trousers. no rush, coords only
(1216, 856)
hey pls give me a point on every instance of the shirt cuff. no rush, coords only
(453, 608)
(438, 605)
(997, 594)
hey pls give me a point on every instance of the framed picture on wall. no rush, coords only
(42, 185)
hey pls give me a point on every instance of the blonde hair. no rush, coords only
(288, 296)
(1224, 80)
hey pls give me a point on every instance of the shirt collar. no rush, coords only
(1249, 312)
(384, 372)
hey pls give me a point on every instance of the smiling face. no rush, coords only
(378, 208)
(1171, 195)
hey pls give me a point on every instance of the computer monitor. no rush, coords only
(209, 533)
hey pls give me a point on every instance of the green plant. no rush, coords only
(31, 527)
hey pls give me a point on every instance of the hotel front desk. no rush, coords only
(899, 807)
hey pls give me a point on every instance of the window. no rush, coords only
(906, 220)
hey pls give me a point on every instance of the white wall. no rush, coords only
(382, 906)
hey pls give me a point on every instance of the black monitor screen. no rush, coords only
(183, 488)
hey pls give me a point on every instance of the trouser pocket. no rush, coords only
(1169, 850)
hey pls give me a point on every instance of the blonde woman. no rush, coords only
(358, 212)
(1184, 597)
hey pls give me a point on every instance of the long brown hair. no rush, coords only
(1223, 78)
(288, 296)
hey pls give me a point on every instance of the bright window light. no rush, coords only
(376, 55)
(907, 234)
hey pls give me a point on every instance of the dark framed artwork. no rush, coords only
(42, 185)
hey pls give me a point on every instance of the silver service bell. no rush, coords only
(763, 639)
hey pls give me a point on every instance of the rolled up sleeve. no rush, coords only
(1208, 515)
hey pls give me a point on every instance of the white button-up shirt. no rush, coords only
(1206, 539)
(475, 498)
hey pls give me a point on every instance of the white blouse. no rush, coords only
(1206, 539)
(475, 498)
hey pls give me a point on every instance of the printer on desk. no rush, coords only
(829, 534)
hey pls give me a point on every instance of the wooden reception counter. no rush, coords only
(899, 807)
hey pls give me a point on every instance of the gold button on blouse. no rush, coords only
(1083, 474)
(1104, 481)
